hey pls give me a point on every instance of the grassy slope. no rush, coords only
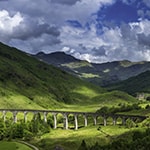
(4, 145)
(140, 83)
(71, 139)
(26, 82)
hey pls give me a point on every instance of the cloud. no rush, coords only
(44, 43)
(80, 36)
(147, 2)
(129, 41)
(144, 40)
(29, 29)
(15, 28)
(49, 18)
(8, 24)
(76, 27)
(65, 2)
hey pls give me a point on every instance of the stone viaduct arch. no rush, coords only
(65, 115)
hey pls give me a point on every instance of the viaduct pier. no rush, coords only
(65, 115)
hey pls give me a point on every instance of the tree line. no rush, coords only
(26, 131)
(105, 110)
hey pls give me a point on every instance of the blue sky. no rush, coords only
(94, 30)
(118, 12)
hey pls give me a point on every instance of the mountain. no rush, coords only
(26, 82)
(56, 58)
(133, 85)
(99, 74)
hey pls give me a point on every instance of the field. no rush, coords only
(4, 145)
(71, 139)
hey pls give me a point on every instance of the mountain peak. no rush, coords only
(55, 57)
(40, 54)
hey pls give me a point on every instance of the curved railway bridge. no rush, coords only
(66, 114)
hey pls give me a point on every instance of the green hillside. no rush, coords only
(139, 83)
(26, 82)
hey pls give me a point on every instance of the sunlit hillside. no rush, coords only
(26, 82)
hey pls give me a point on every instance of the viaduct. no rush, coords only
(65, 115)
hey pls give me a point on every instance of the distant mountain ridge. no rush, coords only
(100, 74)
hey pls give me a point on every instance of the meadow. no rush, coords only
(71, 139)
(9, 145)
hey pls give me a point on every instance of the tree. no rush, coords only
(104, 111)
(2, 129)
(96, 147)
(137, 135)
(146, 122)
(15, 131)
(27, 135)
(83, 146)
(130, 123)
(148, 98)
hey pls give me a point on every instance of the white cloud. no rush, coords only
(130, 41)
(76, 36)
(145, 26)
(9, 23)
(146, 54)
(24, 20)
(41, 25)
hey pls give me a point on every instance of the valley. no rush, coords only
(74, 75)
(28, 84)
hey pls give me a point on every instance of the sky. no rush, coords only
(94, 30)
